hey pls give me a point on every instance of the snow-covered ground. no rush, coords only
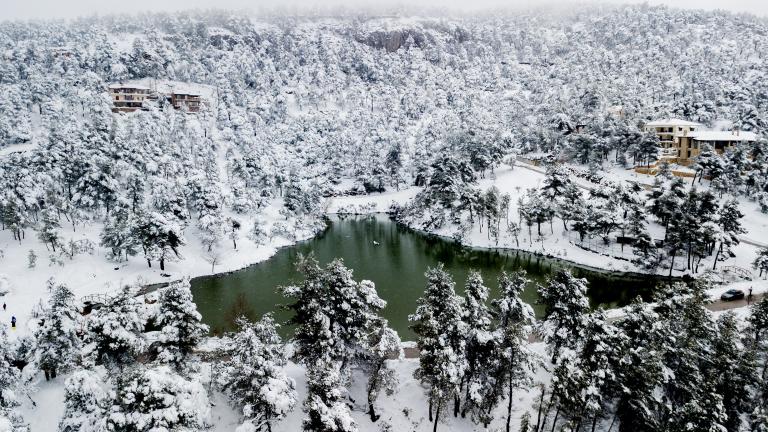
(95, 273)
(404, 410)
(556, 241)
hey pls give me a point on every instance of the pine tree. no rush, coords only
(118, 234)
(85, 402)
(729, 222)
(441, 341)
(384, 344)
(114, 330)
(157, 399)
(58, 343)
(158, 236)
(331, 294)
(564, 298)
(325, 407)
(252, 377)
(639, 369)
(515, 319)
(666, 202)
(9, 385)
(757, 351)
(761, 261)
(688, 353)
(481, 350)
(732, 383)
(181, 329)
(48, 232)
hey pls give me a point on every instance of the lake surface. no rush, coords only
(396, 265)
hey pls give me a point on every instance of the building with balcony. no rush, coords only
(670, 131)
(137, 94)
(189, 102)
(720, 141)
(129, 97)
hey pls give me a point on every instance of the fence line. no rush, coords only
(597, 245)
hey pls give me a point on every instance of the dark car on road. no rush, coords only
(732, 294)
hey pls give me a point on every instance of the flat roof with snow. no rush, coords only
(723, 136)
(672, 122)
(168, 87)
(128, 86)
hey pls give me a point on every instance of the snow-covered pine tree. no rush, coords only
(48, 232)
(180, 324)
(589, 384)
(157, 399)
(733, 383)
(665, 201)
(729, 222)
(643, 248)
(310, 315)
(482, 352)
(325, 406)
(57, 341)
(761, 261)
(514, 320)
(757, 342)
(565, 302)
(159, 236)
(639, 369)
(351, 309)
(9, 387)
(253, 378)
(441, 337)
(688, 351)
(114, 330)
(384, 344)
(85, 403)
(118, 233)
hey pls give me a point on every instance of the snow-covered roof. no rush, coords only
(128, 86)
(723, 136)
(168, 87)
(672, 122)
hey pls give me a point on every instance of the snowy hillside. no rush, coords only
(145, 150)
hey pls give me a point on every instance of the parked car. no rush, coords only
(732, 294)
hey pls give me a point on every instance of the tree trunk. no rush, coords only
(437, 417)
(372, 412)
(509, 402)
(162, 263)
(672, 265)
(430, 409)
(719, 250)
(554, 421)
(456, 404)
(541, 406)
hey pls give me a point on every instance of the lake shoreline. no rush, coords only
(394, 256)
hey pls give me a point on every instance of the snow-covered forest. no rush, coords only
(519, 130)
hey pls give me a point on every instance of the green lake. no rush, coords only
(395, 259)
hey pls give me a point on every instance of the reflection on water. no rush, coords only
(396, 265)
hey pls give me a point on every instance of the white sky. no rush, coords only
(26, 9)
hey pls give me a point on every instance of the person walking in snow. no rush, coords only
(13, 322)
(749, 296)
